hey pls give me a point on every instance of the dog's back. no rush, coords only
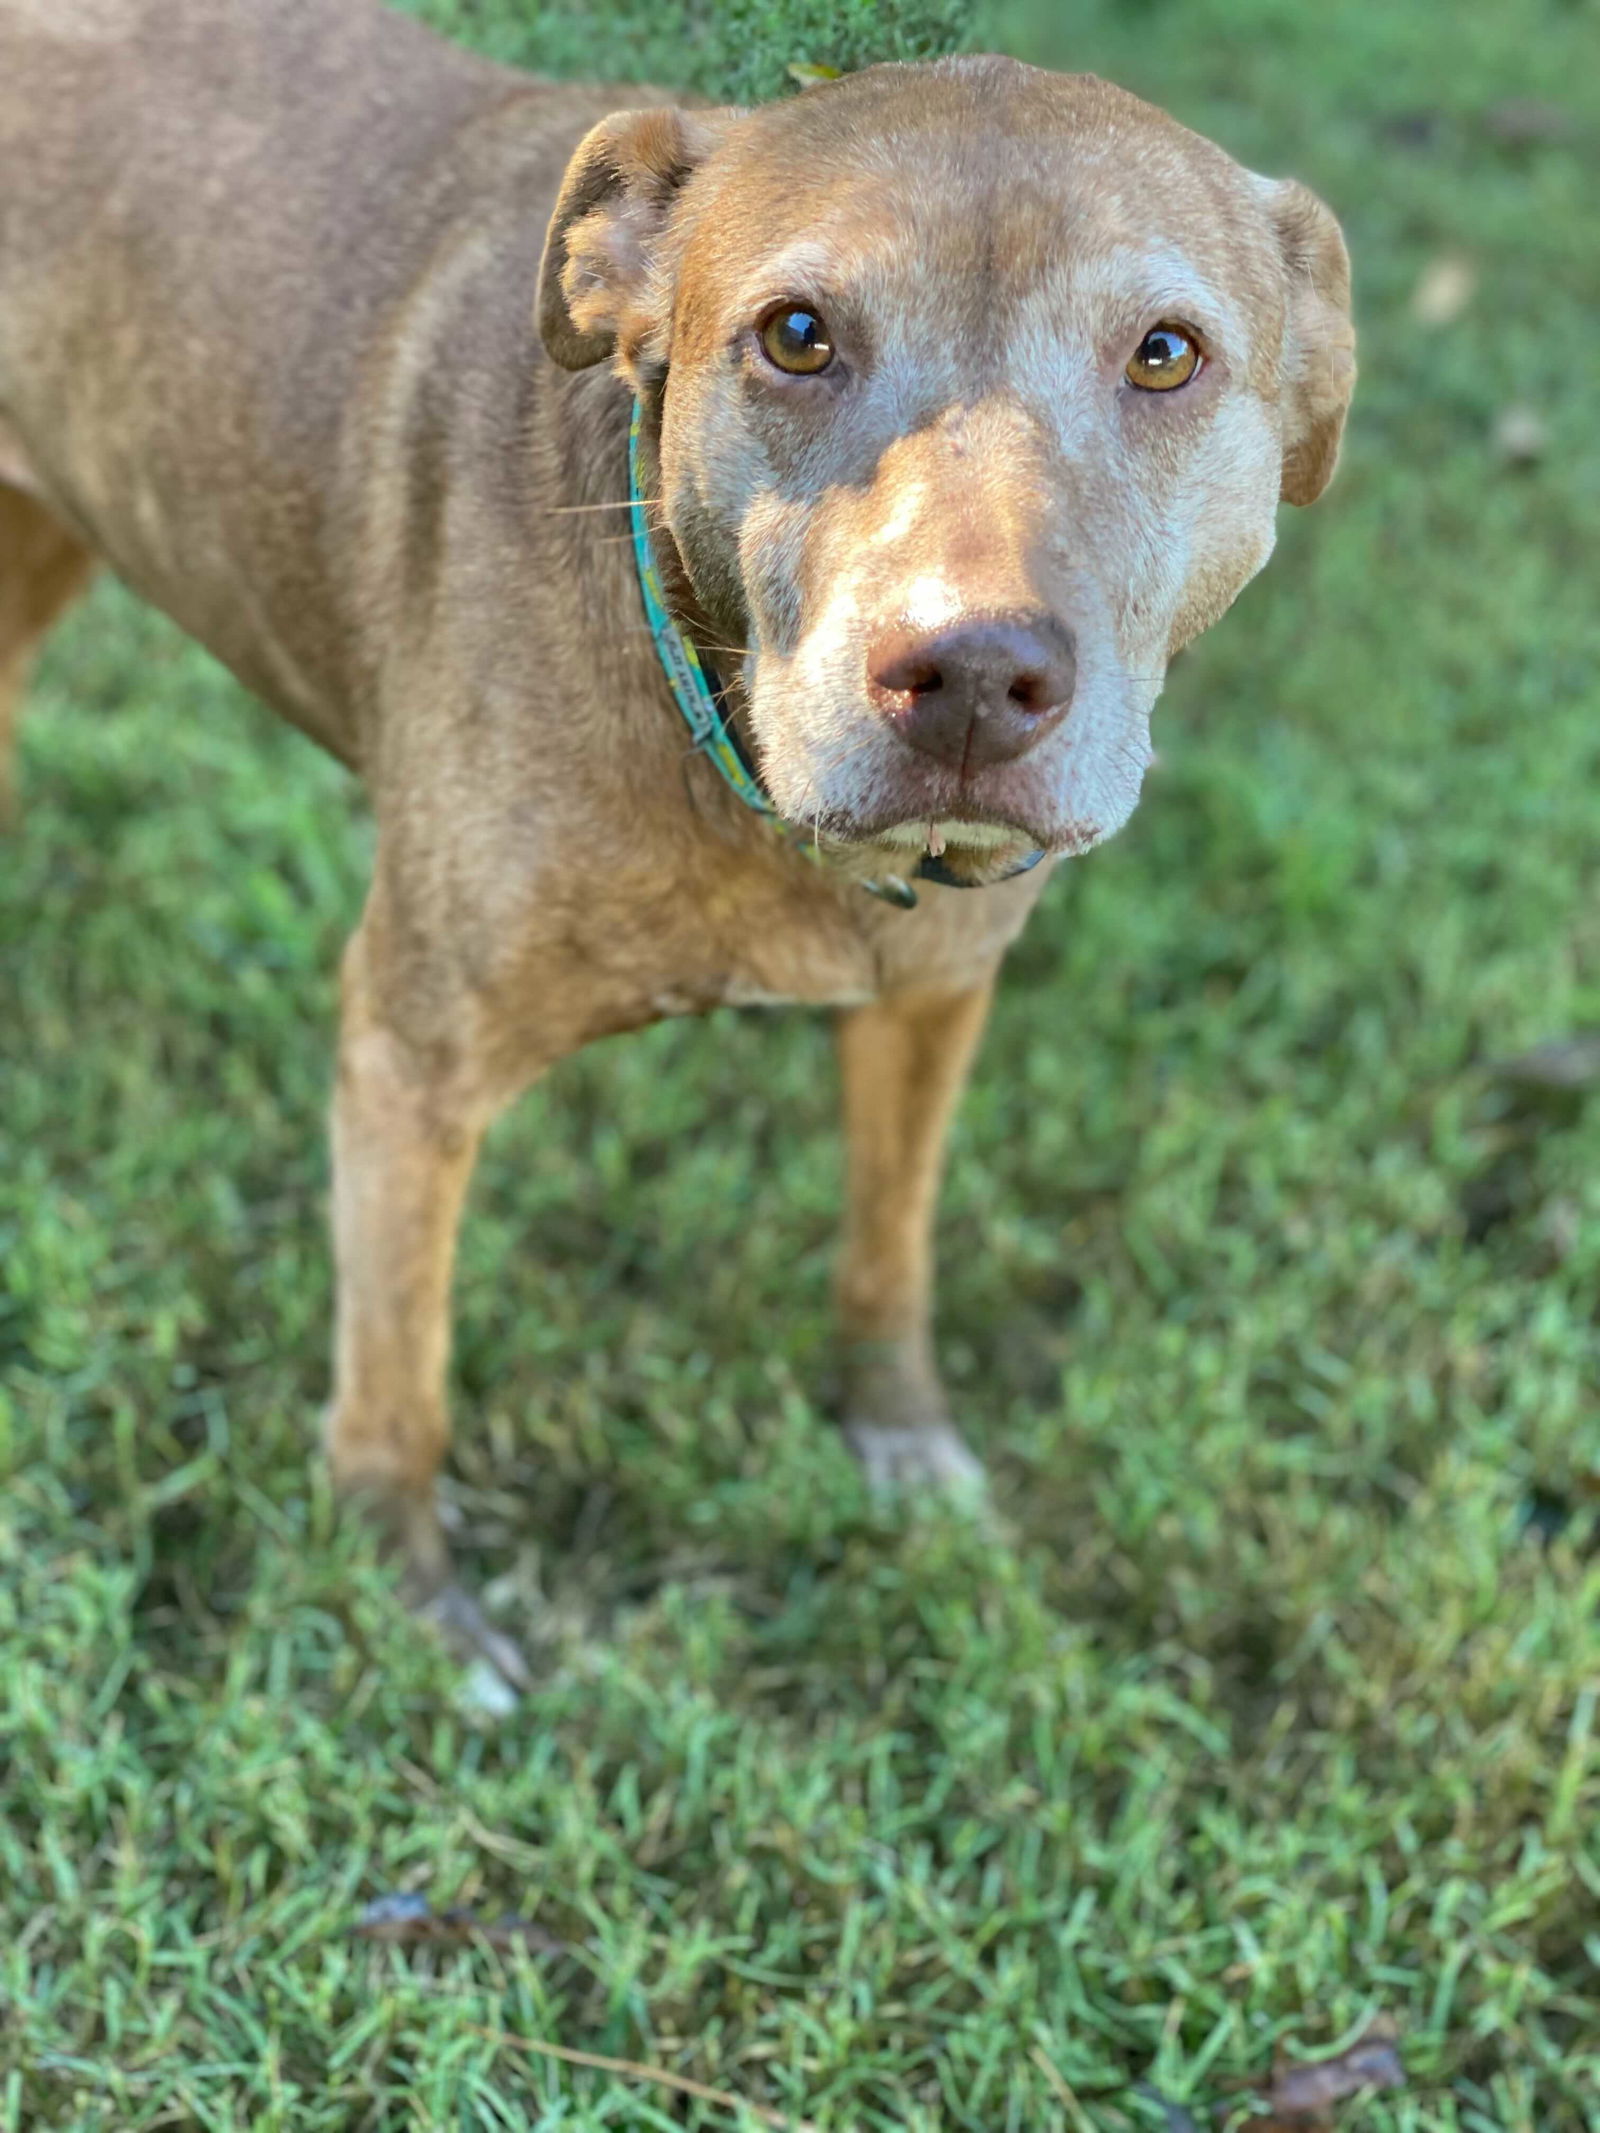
(216, 216)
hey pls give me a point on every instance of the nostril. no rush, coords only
(908, 674)
(1032, 693)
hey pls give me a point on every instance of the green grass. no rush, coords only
(1269, 1312)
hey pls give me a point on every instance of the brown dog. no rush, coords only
(968, 393)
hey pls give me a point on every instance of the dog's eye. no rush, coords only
(796, 340)
(1166, 358)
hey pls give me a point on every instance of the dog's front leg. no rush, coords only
(408, 1117)
(904, 1060)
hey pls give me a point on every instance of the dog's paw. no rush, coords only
(471, 1637)
(410, 1525)
(907, 1464)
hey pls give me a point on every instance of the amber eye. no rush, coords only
(796, 340)
(1166, 358)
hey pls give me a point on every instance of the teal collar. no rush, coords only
(712, 735)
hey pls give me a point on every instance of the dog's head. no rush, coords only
(977, 389)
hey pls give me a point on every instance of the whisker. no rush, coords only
(721, 696)
(622, 503)
(818, 810)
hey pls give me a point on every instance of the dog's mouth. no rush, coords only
(951, 833)
(955, 850)
(875, 807)
(960, 854)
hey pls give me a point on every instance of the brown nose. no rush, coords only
(978, 691)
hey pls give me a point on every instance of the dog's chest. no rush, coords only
(760, 934)
(842, 958)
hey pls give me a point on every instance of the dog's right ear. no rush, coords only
(1319, 338)
(603, 290)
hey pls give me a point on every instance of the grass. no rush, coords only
(1273, 1313)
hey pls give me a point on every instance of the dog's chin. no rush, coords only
(973, 855)
(967, 856)
(893, 813)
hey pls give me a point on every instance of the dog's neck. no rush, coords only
(705, 701)
(713, 636)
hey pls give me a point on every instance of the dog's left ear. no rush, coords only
(601, 289)
(1319, 363)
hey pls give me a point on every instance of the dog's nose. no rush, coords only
(978, 691)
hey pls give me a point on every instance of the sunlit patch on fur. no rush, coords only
(930, 601)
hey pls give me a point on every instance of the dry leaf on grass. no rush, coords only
(1302, 2098)
(408, 1920)
(1520, 435)
(1526, 121)
(1561, 1064)
(1444, 290)
(1408, 129)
